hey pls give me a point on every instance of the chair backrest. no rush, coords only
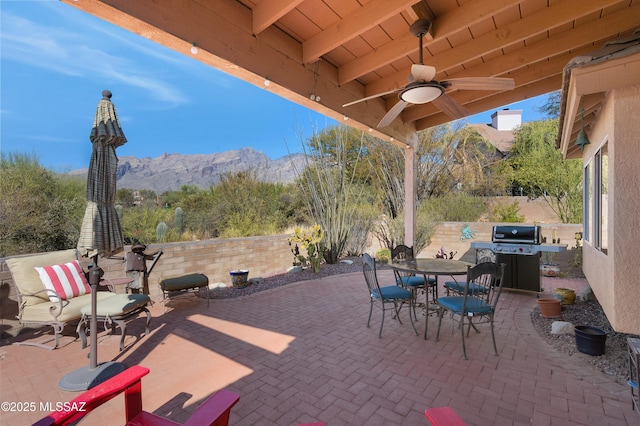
(370, 276)
(483, 286)
(26, 278)
(402, 252)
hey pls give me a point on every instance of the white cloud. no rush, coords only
(95, 54)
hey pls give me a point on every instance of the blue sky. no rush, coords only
(56, 60)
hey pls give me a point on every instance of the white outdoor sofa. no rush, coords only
(36, 308)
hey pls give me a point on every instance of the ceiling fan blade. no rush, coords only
(450, 106)
(371, 97)
(422, 72)
(392, 113)
(480, 83)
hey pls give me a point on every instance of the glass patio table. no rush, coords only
(435, 267)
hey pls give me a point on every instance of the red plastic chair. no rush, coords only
(214, 411)
(443, 416)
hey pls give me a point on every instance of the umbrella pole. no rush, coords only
(93, 323)
(87, 377)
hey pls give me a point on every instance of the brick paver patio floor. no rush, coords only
(303, 353)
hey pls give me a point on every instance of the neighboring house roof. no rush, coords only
(619, 61)
(501, 139)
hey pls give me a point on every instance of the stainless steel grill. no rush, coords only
(519, 247)
(516, 240)
(517, 234)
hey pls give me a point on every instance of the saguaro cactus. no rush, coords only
(179, 220)
(161, 232)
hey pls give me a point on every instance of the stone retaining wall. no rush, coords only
(262, 256)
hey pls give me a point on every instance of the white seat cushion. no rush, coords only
(71, 308)
(117, 305)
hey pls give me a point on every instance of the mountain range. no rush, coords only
(169, 172)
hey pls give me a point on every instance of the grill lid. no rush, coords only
(516, 234)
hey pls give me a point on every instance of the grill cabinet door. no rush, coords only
(521, 272)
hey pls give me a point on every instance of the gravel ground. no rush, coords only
(613, 362)
(274, 281)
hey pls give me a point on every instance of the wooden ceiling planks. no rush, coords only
(366, 46)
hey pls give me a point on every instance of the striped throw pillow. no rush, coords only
(67, 280)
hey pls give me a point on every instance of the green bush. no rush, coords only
(39, 210)
(455, 207)
(506, 213)
(359, 234)
(383, 255)
(139, 224)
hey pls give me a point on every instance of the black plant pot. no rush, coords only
(590, 340)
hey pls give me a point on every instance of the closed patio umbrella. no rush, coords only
(100, 234)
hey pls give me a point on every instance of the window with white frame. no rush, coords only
(587, 206)
(596, 196)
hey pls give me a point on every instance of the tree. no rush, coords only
(125, 197)
(551, 108)
(449, 159)
(535, 165)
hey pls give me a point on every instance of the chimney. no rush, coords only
(506, 119)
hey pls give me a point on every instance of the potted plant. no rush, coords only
(549, 267)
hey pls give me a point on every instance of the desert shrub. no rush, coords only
(359, 235)
(506, 213)
(455, 207)
(383, 255)
(245, 206)
(390, 232)
(139, 224)
(39, 210)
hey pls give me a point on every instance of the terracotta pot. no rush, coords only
(550, 308)
(566, 295)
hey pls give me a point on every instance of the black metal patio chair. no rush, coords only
(388, 297)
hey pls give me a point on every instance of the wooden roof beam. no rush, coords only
(363, 19)
(454, 21)
(589, 35)
(266, 13)
(555, 15)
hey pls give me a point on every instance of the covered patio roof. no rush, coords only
(343, 50)
(324, 54)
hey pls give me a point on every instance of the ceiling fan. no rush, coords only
(422, 88)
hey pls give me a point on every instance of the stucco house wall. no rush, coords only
(614, 276)
(625, 213)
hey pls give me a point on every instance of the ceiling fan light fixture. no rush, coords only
(421, 93)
